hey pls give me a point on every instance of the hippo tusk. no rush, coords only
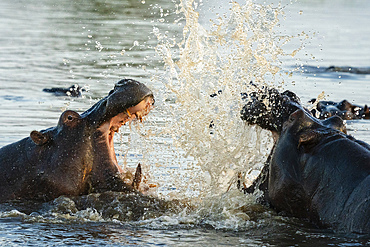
(137, 177)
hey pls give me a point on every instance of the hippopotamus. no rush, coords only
(315, 171)
(77, 156)
(348, 69)
(72, 91)
(344, 109)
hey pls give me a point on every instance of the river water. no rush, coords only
(184, 51)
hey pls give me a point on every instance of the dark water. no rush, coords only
(96, 43)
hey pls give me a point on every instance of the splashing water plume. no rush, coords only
(207, 71)
(195, 143)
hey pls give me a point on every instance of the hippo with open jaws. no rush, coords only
(314, 171)
(77, 156)
(343, 109)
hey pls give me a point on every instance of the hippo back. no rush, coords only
(324, 178)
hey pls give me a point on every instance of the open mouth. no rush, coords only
(112, 152)
(110, 127)
(114, 125)
(105, 139)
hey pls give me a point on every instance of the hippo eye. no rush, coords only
(69, 117)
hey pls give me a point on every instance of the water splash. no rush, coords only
(195, 142)
(207, 70)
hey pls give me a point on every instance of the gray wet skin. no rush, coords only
(77, 156)
(315, 171)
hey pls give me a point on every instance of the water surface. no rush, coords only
(96, 43)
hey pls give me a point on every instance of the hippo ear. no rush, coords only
(39, 138)
(366, 114)
(366, 109)
(69, 118)
(309, 139)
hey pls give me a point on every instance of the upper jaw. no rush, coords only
(126, 94)
(117, 121)
(112, 126)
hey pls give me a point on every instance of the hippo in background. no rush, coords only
(348, 69)
(315, 171)
(77, 156)
(72, 91)
(343, 109)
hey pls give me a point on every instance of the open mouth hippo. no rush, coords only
(72, 91)
(77, 156)
(315, 171)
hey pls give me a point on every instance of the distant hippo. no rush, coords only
(77, 156)
(72, 91)
(343, 109)
(348, 69)
(314, 171)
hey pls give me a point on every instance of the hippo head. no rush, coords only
(344, 109)
(270, 109)
(308, 130)
(82, 145)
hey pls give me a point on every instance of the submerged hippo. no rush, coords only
(77, 156)
(348, 69)
(344, 109)
(72, 91)
(314, 171)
